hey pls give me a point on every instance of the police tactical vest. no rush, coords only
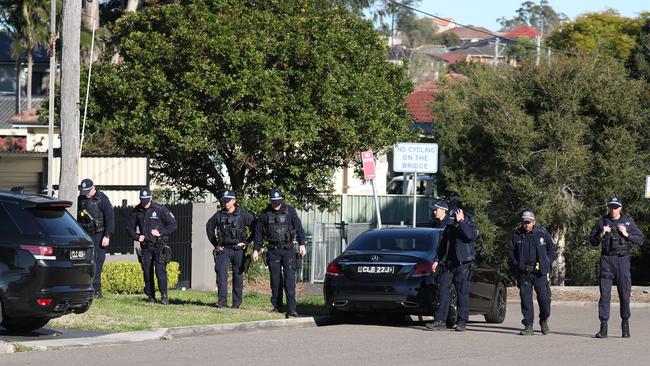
(614, 243)
(95, 224)
(279, 227)
(230, 229)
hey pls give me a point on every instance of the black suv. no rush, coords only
(46, 262)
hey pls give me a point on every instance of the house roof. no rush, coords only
(471, 33)
(420, 100)
(442, 21)
(523, 30)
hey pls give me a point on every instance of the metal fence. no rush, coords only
(180, 241)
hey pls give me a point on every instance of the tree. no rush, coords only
(27, 22)
(542, 16)
(277, 92)
(639, 62)
(558, 139)
(70, 67)
(605, 33)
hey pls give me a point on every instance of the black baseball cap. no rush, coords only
(276, 196)
(145, 196)
(440, 204)
(228, 196)
(86, 186)
(615, 201)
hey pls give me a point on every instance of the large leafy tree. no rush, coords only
(605, 33)
(250, 94)
(558, 139)
(639, 62)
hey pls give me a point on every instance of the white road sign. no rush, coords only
(647, 186)
(411, 157)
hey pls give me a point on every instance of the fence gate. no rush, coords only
(328, 241)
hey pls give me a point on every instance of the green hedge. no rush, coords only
(127, 277)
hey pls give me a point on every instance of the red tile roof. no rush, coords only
(442, 21)
(419, 101)
(451, 57)
(523, 30)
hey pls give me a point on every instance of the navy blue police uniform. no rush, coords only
(95, 215)
(530, 254)
(279, 228)
(146, 219)
(455, 255)
(614, 264)
(225, 231)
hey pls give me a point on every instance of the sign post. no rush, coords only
(368, 161)
(647, 186)
(415, 158)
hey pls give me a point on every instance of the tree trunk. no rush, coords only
(30, 64)
(131, 6)
(559, 266)
(18, 87)
(70, 69)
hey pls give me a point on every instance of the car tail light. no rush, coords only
(423, 269)
(40, 251)
(44, 302)
(334, 269)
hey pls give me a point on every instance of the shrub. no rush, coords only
(127, 277)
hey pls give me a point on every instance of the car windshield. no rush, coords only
(397, 240)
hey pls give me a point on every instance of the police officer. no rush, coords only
(615, 232)
(530, 254)
(440, 217)
(279, 225)
(230, 245)
(154, 223)
(95, 214)
(454, 259)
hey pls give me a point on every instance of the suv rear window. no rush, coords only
(7, 225)
(51, 221)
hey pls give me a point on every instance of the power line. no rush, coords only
(493, 34)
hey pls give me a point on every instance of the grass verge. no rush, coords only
(125, 313)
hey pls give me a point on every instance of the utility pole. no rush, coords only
(50, 125)
(70, 69)
(496, 53)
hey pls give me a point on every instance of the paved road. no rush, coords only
(370, 343)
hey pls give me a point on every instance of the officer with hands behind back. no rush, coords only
(226, 232)
(154, 223)
(95, 215)
(530, 254)
(615, 232)
(453, 262)
(279, 225)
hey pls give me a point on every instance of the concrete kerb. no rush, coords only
(164, 333)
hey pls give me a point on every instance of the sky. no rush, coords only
(485, 12)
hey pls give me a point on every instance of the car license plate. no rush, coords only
(77, 254)
(376, 269)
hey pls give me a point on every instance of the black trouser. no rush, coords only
(280, 262)
(151, 257)
(526, 281)
(99, 255)
(229, 255)
(614, 269)
(459, 275)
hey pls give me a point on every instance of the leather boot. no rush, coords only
(625, 327)
(527, 331)
(602, 333)
(164, 299)
(544, 325)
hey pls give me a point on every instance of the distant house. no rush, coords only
(472, 34)
(40, 73)
(525, 31)
(420, 101)
(443, 24)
